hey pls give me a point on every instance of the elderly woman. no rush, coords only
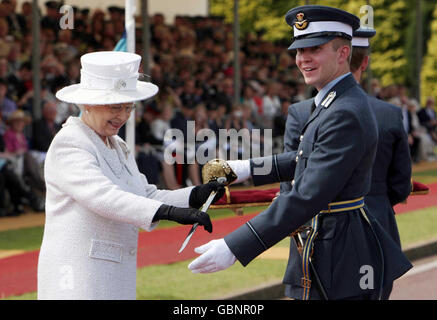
(96, 197)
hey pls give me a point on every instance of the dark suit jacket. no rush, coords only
(333, 162)
(391, 175)
(42, 136)
(425, 119)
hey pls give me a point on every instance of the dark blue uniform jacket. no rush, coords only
(332, 162)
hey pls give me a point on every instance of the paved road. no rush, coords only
(420, 283)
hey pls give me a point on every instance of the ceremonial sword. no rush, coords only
(204, 208)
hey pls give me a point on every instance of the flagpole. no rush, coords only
(130, 39)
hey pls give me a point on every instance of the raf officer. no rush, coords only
(332, 173)
(391, 175)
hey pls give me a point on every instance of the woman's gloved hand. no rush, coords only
(183, 216)
(200, 194)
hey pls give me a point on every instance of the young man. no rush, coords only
(391, 175)
(352, 256)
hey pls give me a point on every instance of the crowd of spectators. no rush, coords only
(192, 63)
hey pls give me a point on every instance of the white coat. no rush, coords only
(95, 203)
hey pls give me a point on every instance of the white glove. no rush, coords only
(241, 169)
(215, 256)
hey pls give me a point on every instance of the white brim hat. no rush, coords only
(108, 77)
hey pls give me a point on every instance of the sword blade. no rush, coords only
(204, 208)
(187, 239)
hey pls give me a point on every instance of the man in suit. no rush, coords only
(428, 118)
(331, 171)
(44, 129)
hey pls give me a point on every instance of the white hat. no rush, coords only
(108, 77)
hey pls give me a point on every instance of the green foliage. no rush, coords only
(429, 67)
(393, 47)
(258, 16)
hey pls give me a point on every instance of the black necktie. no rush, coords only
(313, 106)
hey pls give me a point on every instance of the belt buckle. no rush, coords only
(300, 230)
(305, 283)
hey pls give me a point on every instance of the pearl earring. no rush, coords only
(86, 111)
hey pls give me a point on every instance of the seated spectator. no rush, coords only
(428, 118)
(19, 191)
(4, 68)
(225, 93)
(206, 145)
(271, 103)
(16, 22)
(146, 144)
(6, 40)
(44, 130)
(161, 123)
(7, 106)
(214, 122)
(20, 85)
(425, 148)
(16, 146)
(280, 119)
(51, 19)
(253, 94)
(187, 172)
(235, 122)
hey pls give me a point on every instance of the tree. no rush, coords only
(259, 16)
(429, 68)
(392, 46)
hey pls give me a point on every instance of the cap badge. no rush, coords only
(301, 23)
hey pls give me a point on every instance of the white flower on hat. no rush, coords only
(108, 77)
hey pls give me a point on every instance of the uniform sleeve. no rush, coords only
(399, 171)
(337, 153)
(73, 170)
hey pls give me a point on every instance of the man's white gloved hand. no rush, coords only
(241, 169)
(215, 256)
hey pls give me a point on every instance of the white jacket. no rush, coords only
(96, 201)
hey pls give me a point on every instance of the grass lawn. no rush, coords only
(417, 226)
(428, 176)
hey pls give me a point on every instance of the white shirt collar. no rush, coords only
(328, 87)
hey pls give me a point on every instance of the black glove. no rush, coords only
(183, 216)
(200, 194)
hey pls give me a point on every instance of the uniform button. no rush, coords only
(301, 138)
(292, 182)
(300, 152)
(297, 158)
